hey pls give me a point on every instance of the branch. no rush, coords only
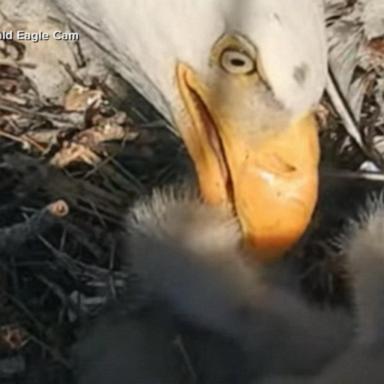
(16, 235)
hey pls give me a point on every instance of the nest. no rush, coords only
(68, 172)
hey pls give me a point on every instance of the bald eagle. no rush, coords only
(240, 82)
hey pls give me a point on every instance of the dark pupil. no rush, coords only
(237, 62)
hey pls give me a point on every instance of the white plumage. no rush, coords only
(240, 82)
(145, 38)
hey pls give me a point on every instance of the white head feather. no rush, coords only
(145, 39)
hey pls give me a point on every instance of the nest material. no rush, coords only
(69, 170)
(67, 173)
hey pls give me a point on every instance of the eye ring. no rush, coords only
(237, 62)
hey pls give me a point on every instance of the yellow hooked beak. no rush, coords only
(268, 177)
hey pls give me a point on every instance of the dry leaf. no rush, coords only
(79, 98)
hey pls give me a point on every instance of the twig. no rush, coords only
(23, 139)
(179, 344)
(63, 259)
(28, 313)
(54, 353)
(343, 109)
(86, 238)
(74, 119)
(16, 235)
(355, 175)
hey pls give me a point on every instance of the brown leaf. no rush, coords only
(79, 98)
